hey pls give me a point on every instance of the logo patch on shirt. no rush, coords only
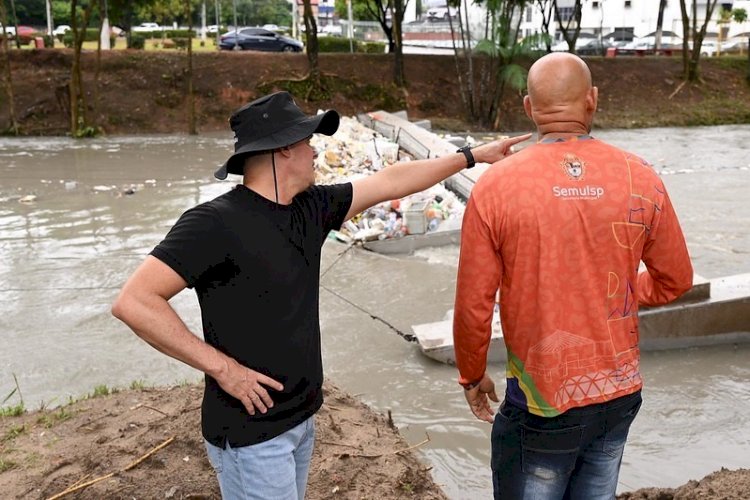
(573, 167)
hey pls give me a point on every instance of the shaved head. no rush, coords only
(561, 97)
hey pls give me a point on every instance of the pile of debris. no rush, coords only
(356, 151)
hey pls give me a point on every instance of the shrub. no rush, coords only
(176, 34)
(371, 47)
(91, 35)
(136, 41)
(338, 44)
(180, 42)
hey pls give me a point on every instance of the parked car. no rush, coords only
(738, 46)
(709, 48)
(593, 47)
(26, 34)
(441, 13)
(145, 27)
(60, 30)
(332, 30)
(10, 31)
(259, 39)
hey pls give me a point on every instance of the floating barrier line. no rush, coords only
(406, 336)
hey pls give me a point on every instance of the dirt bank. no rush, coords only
(357, 455)
(144, 92)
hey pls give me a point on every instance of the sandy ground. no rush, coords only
(103, 440)
(358, 453)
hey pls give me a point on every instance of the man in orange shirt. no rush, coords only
(560, 229)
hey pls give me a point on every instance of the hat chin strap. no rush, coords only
(275, 183)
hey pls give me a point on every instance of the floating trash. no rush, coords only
(356, 151)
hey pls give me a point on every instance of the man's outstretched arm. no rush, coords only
(404, 178)
(143, 305)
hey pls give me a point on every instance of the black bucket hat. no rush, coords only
(271, 122)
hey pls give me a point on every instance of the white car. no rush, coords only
(709, 48)
(10, 30)
(442, 13)
(144, 27)
(60, 30)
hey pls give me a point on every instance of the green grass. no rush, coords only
(137, 385)
(101, 390)
(6, 465)
(13, 432)
(53, 418)
(12, 411)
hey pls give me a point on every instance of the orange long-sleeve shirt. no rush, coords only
(560, 228)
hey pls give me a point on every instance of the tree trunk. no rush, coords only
(8, 72)
(659, 24)
(98, 59)
(77, 96)
(311, 38)
(15, 22)
(399, 79)
(571, 38)
(685, 38)
(190, 94)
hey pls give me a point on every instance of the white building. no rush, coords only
(638, 17)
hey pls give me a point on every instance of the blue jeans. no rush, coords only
(274, 469)
(575, 455)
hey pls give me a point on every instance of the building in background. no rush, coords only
(635, 17)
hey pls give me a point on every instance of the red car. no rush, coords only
(26, 34)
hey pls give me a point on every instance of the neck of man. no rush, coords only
(260, 179)
(562, 130)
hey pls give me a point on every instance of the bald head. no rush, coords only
(560, 97)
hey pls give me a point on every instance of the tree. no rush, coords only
(570, 34)
(659, 24)
(399, 78)
(390, 15)
(8, 72)
(739, 16)
(311, 39)
(78, 124)
(498, 70)
(546, 7)
(189, 73)
(691, 57)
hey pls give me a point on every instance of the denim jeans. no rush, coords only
(575, 455)
(274, 469)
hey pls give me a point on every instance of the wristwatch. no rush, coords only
(466, 150)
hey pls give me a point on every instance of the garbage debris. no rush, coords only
(29, 198)
(356, 151)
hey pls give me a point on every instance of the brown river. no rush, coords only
(76, 217)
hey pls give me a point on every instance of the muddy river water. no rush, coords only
(64, 255)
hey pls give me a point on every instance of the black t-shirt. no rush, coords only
(255, 267)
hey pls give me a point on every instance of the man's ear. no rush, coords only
(527, 106)
(592, 99)
(285, 151)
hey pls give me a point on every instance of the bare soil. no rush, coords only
(358, 453)
(145, 92)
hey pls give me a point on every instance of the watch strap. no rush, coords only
(466, 150)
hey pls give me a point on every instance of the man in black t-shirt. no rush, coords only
(253, 257)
